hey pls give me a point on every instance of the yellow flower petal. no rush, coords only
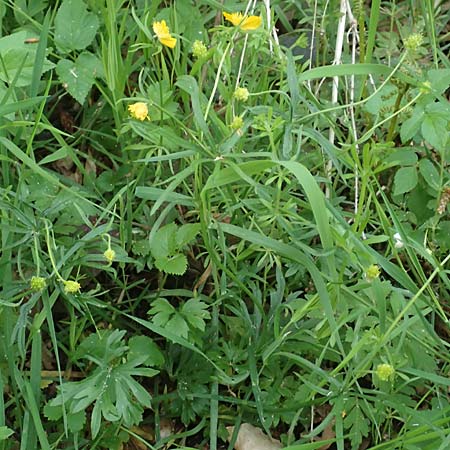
(163, 34)
(138, 110)
(251, 23)
(234, 18)
(168, 41)
(161, 28)
(245, 23)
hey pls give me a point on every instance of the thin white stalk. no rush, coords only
(335, 89)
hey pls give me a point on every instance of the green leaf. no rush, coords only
(5, 433)
(194, 311)
(435, 124)
(79, 76)
(173, 265)
(75, 27)
(76, 421)
(411, 126)
(18, 60)
(405, 180)
(178, 326)
(439, 79)
(403, 157)
(189, 84)
(152, 193)
(385, 98)
(430, 174)
(358, 425)
(164, 242)
(187, 233)
(162, 311)
(143, 345)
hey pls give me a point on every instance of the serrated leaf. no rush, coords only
(173, 265)
(177, 325)
(17, 56)
(79, 76)
(405, 180)
(194, 311)
(162, 311)
(143, 345)
(53, 412)
(75, 27)
(358, 425)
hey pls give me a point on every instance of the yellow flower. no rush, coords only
(109, 255)
(138, 110)
(245, 23)
(163, 34)
(72, 287)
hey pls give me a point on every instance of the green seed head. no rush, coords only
(372, 272)
(109, 255)
(37, 283)
(385, 372)
(241, 94)
(72, 287)
(237, 123)
(413, 42)
(199, 49)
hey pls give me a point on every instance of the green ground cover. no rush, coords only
(216, 213)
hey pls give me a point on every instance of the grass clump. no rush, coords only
(216, 214)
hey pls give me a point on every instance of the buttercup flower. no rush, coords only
(72, 287)
(37, 283)
(241, 94)
(163, 34)
(245, 23)
(138, 110)
(109, 255)
(199, 49)
(385, 372)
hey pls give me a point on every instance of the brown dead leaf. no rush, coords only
(252, 438)
(328, 433)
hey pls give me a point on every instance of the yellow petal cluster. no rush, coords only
(138, 110)
(163, 34)
(245, 23)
